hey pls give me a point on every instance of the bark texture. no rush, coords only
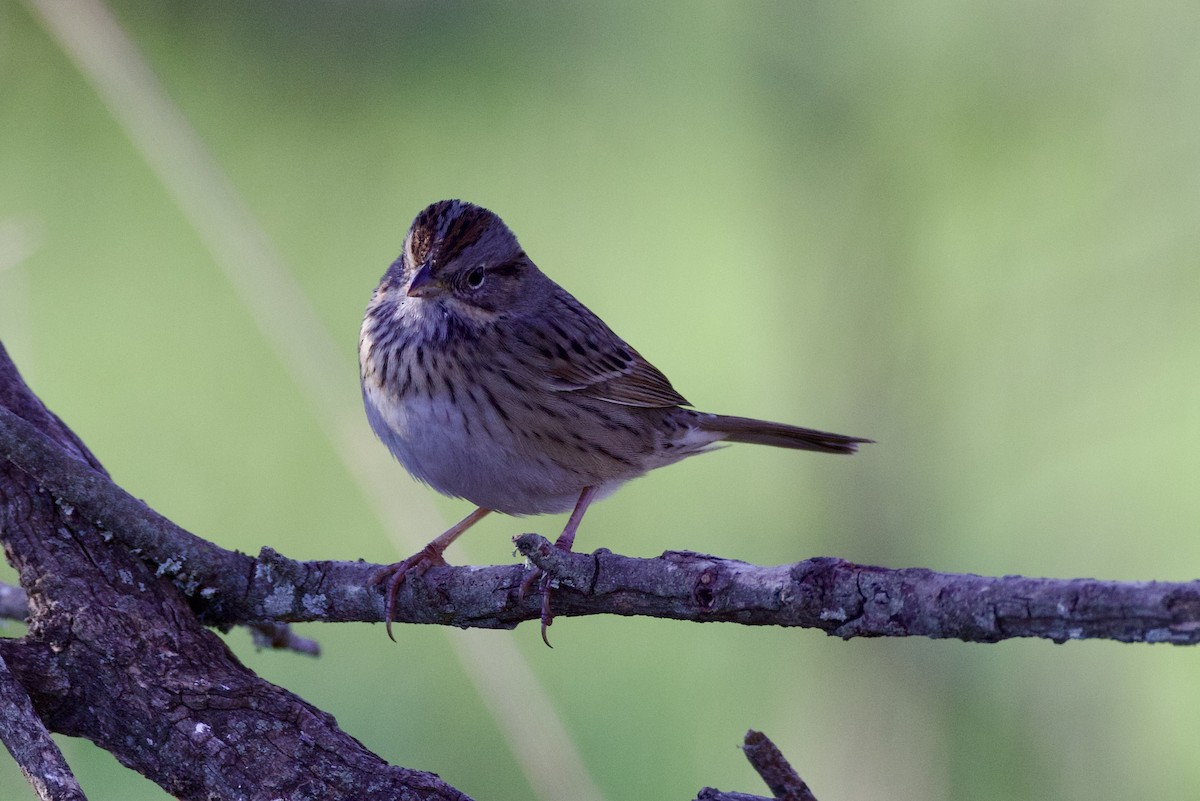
(114, 653)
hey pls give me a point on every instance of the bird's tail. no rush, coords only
(779, 435)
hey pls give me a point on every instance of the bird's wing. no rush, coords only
(576, 352)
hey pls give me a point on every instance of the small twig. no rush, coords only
(770, 763)
(279, 636)
(28, 740)
(14, 603)
(713, 794)
(766, 759)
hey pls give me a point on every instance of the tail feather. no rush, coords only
(779, 435)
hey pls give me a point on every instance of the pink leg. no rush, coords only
(563, 543)
(567, 538)
(421, 561)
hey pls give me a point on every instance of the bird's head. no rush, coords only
(460, 259)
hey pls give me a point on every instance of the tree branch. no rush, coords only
(84, 491)
(850, 600)
(114, 654)
(844, 599)
(27, 739)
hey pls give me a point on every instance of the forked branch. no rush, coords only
(114, 652)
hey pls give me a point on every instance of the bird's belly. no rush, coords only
(475, 456)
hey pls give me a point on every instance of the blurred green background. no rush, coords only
(967, 230)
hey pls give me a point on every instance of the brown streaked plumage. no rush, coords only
(490, 382)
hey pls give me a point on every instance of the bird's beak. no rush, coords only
(422, 284)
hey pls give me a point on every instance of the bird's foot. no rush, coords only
(545, 583)
(563, 543)
(395, 574)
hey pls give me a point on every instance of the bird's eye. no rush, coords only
(475, 278)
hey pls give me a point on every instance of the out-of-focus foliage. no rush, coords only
(968, 230)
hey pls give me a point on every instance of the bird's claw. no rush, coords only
(395, 574)
(544, 582)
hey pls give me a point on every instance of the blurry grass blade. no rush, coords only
(19, 239)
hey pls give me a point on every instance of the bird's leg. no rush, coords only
(563, 543)
(422, 560)
(567, 538)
